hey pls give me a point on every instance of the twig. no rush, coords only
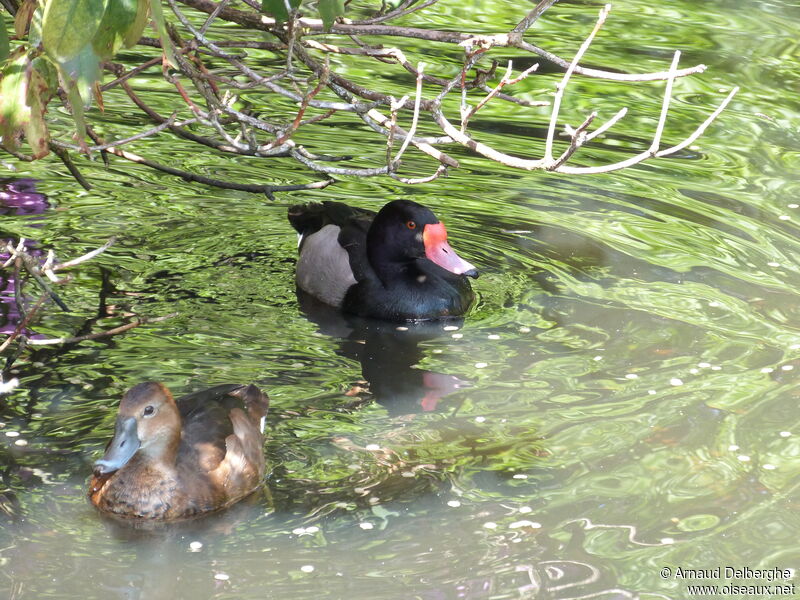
(662, 118)
(415, 118)
(18, 287)
(260, 22)
(578, 139)
(220, 7)
(144, 134)
(608, 124)
(533, 16)
(96, 336)
(230, 185)
(65, 158)
(14, 251)
(506, 80)
(294, 125)
(338, 170)
(520, 101)
(82, 259)
(551, 130)
(372, 117)
(135, 71)
(178, 130)
(400, 11)
(32, 267)
(701, 128)
(608, 75)
(23, 323)
(440, 170)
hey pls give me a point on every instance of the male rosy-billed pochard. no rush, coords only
(394, 265)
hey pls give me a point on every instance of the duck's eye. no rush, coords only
(149, 411)
(411, 225)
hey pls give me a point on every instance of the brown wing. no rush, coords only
(223, 437)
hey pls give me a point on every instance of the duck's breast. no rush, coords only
(323, 269)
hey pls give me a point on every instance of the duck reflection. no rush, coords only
(388, 353)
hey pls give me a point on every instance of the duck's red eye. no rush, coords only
(411, 225)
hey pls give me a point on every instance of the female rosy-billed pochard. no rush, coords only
(173, 460)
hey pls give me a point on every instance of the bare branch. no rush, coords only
(548, 147)
(65, 158)
(338, 170)
(23, 323)
(230, 185)
(220, 7)
(257, 21)
(144, 134)
(400, 11)
(648, 154)
(415, 119)
(578, 138)
(608, 124)
(662, 118)
(701, 128)
(441, 170)
(286, 133)
(227, 76)
(609, 75)
(128, 74)
(81, 259)
(506, 80)
(533, 16)
(101, 334)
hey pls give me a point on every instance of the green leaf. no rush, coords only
(36, 128)
(329, 10)
(68, 25)
(83, 70)
(134, 32)
(13, 109)
(76, 102)
(25, 90)
(277, 8)
(35, 31)
(161, 27)
(4, 47)
(117, 19)
(49, 74)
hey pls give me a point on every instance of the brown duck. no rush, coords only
(175, 460)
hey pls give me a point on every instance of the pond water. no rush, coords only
(622, 397)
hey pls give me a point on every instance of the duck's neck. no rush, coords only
(163, 450)
(396, 272)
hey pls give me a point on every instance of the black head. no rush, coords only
(404, 231)
(396, 232)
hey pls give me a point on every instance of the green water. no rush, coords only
(626, 393)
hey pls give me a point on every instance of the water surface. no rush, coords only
(621, 398)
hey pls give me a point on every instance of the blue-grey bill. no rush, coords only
(122, 447)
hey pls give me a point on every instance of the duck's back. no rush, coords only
(332, 248)
(223, 438)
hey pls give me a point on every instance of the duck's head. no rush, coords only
(148, 421)
(404, 230)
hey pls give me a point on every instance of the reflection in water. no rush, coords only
(18, 197)
(388, 354)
